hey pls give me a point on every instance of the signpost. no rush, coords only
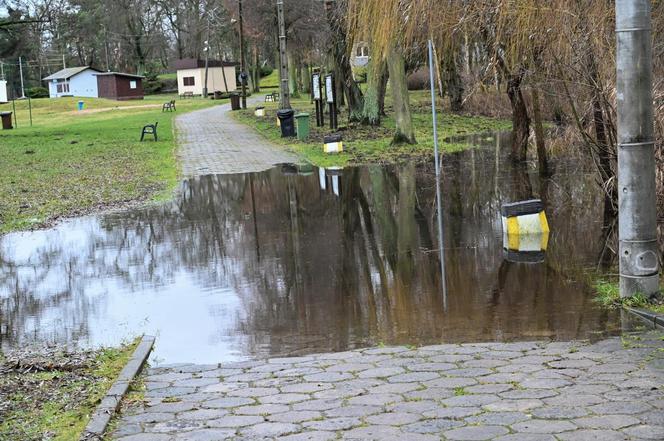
(316, 93)
(331, 100)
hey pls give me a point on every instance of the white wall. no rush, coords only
(83, 84)
(3, 91)
(215, 80)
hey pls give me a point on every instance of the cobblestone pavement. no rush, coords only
(212, 142)
(609, 390)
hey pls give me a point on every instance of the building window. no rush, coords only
(63, 87)
(188, 81)
(132, 84)
(362, 51)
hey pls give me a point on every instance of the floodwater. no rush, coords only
(294, 261)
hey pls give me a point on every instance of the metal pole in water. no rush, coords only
(639, 263)
(439, 203)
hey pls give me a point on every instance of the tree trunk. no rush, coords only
(454, 85)
(256, 71)
(306, 79)
(342, 68)
(372, 105)
(382, 91)
(396, 65)
(520, 119)
(539, 136)
(292, 75)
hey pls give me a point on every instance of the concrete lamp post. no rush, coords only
(639, 257)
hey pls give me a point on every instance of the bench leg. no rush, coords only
(142, 135)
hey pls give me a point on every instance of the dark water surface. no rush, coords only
(292, 262)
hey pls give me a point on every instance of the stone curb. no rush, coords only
(651, 317)
(111, 402)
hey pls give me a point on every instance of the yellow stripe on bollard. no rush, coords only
(544, 223)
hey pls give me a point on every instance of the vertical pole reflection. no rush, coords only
(439, 205)
(253, 209)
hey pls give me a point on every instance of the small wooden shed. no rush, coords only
(120, 86)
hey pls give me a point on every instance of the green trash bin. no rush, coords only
(302, 126)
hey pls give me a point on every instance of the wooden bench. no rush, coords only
(150, 129)
(187, 95)
(169, 106)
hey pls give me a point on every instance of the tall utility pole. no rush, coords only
(20, 68)
(639, 263)
(283, 60)
(243, 71)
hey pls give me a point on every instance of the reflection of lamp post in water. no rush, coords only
(439, 203)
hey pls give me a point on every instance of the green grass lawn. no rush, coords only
(168, 76)
(71, 162)
(270, 81)
(373, 144)
(54, 401)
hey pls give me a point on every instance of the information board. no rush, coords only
(316, 86)
(329, 89)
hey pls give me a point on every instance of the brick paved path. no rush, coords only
(212, 142)
(610, 390)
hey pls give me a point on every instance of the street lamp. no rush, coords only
(243, 73)
(206, 49)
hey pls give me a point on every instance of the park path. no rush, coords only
(212, 142)
(534, 391)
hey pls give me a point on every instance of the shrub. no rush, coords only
(266, 71)
(152, 87)
(38, 92)
(418, 80)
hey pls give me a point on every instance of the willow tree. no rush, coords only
(383, 22)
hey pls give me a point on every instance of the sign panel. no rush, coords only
(316, 86)
(329, 89)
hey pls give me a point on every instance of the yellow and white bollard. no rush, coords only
(333, 144)
(525, 231)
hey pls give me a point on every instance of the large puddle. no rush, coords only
(294, 261)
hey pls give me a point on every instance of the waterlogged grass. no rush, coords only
(363, 145)
(56, 404)
(71, 162)
(608, 295)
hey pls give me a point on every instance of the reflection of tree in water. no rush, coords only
(318, 272)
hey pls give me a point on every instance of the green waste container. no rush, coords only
(302, 126)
